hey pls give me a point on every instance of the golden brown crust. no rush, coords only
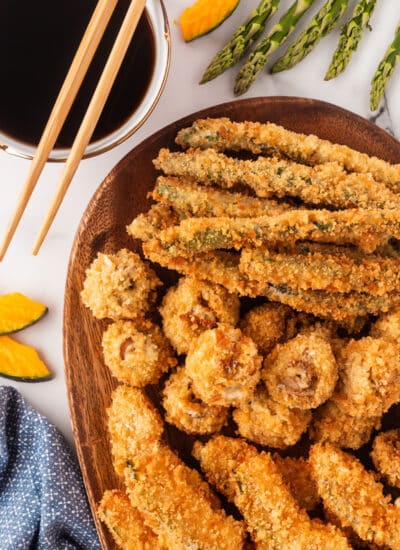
(296, 474)
(385, 455)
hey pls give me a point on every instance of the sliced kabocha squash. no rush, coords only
(204, 16)
(17, 312)
(21, 362)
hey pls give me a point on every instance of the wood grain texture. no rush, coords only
(120, 197)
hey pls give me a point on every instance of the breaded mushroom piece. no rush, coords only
(253, 483)
(186, 411)
(301, 373)
(269, 324)
(137, 353)
(387, 326)
(193, 306)
(385, 455)
(119, 286)
(333, 424)
(167, 494)
(224, 366)
(267, 422)
(134, 424)
(126, 524)
(296, 474)
(353, 495)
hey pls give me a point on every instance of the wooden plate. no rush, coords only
(120, 197)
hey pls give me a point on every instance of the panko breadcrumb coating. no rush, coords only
(385, 455)
(224, 366)
(137, 353)
(269, 324)
(119, 286)
(186, 411)
(273, 517)
(166, 493)
(353, 495)
(301, 373)
(387, 326)
(193, 306)
(126, 524)
(333, 424)
(296, 474)
(134, 424)
(267, 422)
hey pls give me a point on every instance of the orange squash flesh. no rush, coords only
(21, 362)
(204, 16)
(18, 311)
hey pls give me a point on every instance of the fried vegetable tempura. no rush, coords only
(296, 474)
(137, 353)
(263, 138)
(387, 326)
(134, 425)
(126, 524)
(186, 411)
(167, 494)
(386, 456)
(353, 496)
(301, 373)
(324, 185)
(194, 306)
(267, 422)
(119, 286)
(146, 226)
(269, 324)
(224, 366)
(254, 484)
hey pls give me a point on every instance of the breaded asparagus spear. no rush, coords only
(147, 225)
(324, 184)
(322, 267)
(253, 482)
(320, 25)
(261, 138)
(352, 494)
(384, 71)
(350, 37)
(242, 38)
(276, 36)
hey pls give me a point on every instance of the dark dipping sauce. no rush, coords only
(38, 41)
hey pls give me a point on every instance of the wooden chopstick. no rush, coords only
(80, 64)
(93, 113)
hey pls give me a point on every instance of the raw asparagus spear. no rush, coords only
(350, 37)
(385, 71)
(278, 34)
(319, 26)
(242, 39)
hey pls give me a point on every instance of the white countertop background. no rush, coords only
(43, 277)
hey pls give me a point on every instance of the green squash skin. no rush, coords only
(32, 380)
(26, 325)
(215, 26)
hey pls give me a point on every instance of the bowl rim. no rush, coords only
(161, 32)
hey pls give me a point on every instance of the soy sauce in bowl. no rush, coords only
(38, 41)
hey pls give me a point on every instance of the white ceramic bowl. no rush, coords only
(159, 22)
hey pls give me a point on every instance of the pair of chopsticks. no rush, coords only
(83, 57)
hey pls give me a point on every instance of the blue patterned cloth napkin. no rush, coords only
(43, 503)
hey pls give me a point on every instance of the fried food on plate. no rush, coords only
(186, 411)
(126, 524)
(166, 492)
(312, 266)
(134, 425)
(269, 324)
(353, 495)
(253, 482)
(266, 422)
(190, 199)
(296, 474)
(325, 185)
(137, 353)
(385, 455)
(267, 138)
(147, 225)
(224, 366)
(301, 373)
(193, 306)
(119, 286)
(333, 424)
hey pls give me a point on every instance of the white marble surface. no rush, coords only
(43, 277)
